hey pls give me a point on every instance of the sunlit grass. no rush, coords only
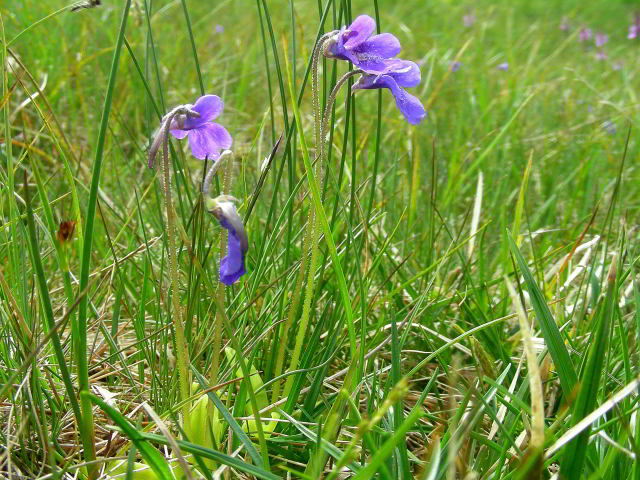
(423, 245)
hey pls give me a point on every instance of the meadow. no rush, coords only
(446, 297)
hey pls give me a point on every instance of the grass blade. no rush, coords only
(81, 342)
(550, 331)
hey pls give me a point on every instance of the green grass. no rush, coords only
(412, 364)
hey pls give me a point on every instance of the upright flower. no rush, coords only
(398, 74)
(206, 138)
(231, 266)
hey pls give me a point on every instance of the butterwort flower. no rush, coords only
(366, 52)
(455, 66)
(206, 138)
(600, 55)
(503, 66)
(468, 20)
(585, 34)
(231, 266)
(398, 75)
(601, 39)
(633, 31)
(219, 29)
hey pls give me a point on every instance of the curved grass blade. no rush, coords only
(575, 452)
(550, 331)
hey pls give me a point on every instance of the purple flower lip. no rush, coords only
(366, 52)
(398, 75)
(232, 265)
(206, 138)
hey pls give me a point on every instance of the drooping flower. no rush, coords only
(455, 66)
(468, 20)
(399, 74)
(585, 34)
(206, 138)
(503, 66)
(366, 52)
(231, 266)
(601, 39)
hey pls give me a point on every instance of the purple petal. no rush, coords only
(384, 45)
(504, 66)
(409, 105)
(405, 72)
(232, 266)
(179, 134)
(209, 107)
(361, 29)
(208, 140)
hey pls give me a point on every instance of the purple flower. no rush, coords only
(468, 20)
(601, 39)
(503, 66)
(219, 28)
(585, 34)
(397, 74)
(600, 55)
(610, 127)
(617, 66)
(455, 66)
(564, 25)
(231, 266)
(366, 52)
(633, 31)
(206, 138)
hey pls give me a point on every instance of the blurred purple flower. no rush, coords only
(206, 138)
(455, 66)
(503, 66)
(610, 127)
(219, 28)
(633, 31)
(600, 55)
(601, 39)
(231, 266)
(468, 20)
(366, 52)
(397, 74)
(585, 34)
(564, 25)
(617, 66)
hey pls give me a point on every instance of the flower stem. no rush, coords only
(217, 342)
(181, 354)
(313, 227)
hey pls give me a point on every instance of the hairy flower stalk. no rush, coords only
(309, 231)
(217, 341)
(206, 140)
(170, 225)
